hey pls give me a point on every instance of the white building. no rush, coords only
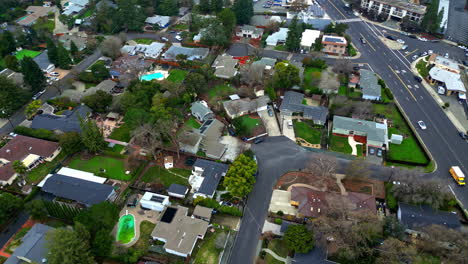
(153, 201)
(278, 37)
(309, 36)
(161, 21)
(314, 15)
(83, 175)
(150, 51)
(395, 8)
(248, 31)
(74, 7)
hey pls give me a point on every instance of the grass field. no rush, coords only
(221, 91)
(192, 123)
(114, 168)
(339, 144)
(279, 247)
(144, 41)
(280, 48)
(86, 14)
(306, 132)
(177, 76)
(26, 53)
(163, 176)
(122, 133)
(422, 68)
(146, 227)
(249, 123)
(208, 253)
(342, 90)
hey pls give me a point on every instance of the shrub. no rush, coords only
(36, 133)
(62, 103)
(316, 63)
(230, 210)
(280, 213)
(278, 221)
(388, 93)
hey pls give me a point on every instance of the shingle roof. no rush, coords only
(82, 191)
(225, 66)
(369, 83)
(292, 103)
(177, 189)
(212, 173)
(191, 53)
(280, 35)
(200, 109)
(374, 131)
(67, 123)
(234, 107)
(416, 217)
(33, 246)
(42, 60)
(201, 211)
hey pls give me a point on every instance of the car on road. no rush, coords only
(422, 125)
(164, 39)
(404, 47)
(400, 41)
(54, 74)
(39, 94)
(379, 152)
(463, 135)
(430, 52)
(270, 112)
(259, 140)
(422, 54)
(179, 38)
(446, 55)
(363, 40)
(390, 37)
(418, 79)
(371, 151)
(356, 68)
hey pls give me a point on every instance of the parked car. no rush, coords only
(231, 131)
(430, 52)
(379, 152)
(390, 37)
(259, 140)
(226, 203)
(413, 36)
(270, 112)
(356, 68)
(415, 57)
(371, 151)
(179, 38)
(401, 41)
(54, 74)
(404, 33)
(446, 55)
(418, 79)
(290, 123)
(39, 94)
(164, 39)
(422, 125)
(363, 40)
(463, 135)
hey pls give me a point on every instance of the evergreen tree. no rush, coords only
(11, 62)
(228, 20)
(12, 97)
(293, 41)
(216, 5)
(73, 49)
(63, 57)
(52, 51)
(33, 75)
(92, 137)
(169, 8)
(205, 6)
(432, 18)
(243, 10)
(9, 42)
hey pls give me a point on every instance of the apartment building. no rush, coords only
(396, 9)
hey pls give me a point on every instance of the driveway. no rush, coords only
(287, 130)
(270, 123)
(234, 147)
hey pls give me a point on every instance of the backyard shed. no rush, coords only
(153, 201)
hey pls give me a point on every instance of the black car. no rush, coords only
(259, 140)
(463, 135)
(390, 37)
(418, 79)
(413, 36)
(356, 68)
(231, 131)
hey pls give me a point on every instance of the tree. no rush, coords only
(52, 51)
(323, 166)
(99, 216)
(73, 49)
(8, 42)
(358, 168)
(168, 8)
(196, 83)
(215, 35)
(11, 62)
(286, 76)
(298, 5)
(32, 108)
(393, 228)
(99, 71)
(33, 75)
(243, 10)
(12, 97)
(299, 239)
(37, 209)
(111, 47)
(251, 74)
(318, 46)
(205, 6)
(70, 142)
(239, 179)
(228, 20)
(10, 204)
(63, 57)
(393, 250)
(92, 137)
(432, 18)
(102, 243)
(67, 246)
(98, 101)
(339, 28)
(146, 136)
(19, 167)
(130, 16)
(216, 5)
(448, 245)
(293, 40)
(343, 66)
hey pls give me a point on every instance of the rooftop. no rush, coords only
(160, 20)
(33, 246)
(234, 107)
(446, 62)
(43, 60)
(225, 66)
(374, 131)
(202, 212)
(292, 103)
(309, 36)
(416, 217)
(451, 80)
(212, 174)
(191, 53)
(334, 40)
(68, 122)
(369, 83)
(177, 189)
(200, 108)
(280, 35)
(420, 9)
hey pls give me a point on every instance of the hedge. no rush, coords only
(212, 203)
(40, 133)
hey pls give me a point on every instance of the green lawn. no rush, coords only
(37, 174)
(161, 175)
(192, 123)
(208, 253)
(177, 76)
(279, 247)
(144, 41)
(269, 259)
(306, 132)
(342, 90)
(180, 27)
(26, 53)
(143, 243)
(45, 24)
(89, 85)
(280, 48)
(122, 133)
(422, 68)
(249, 123)
(114, 168)
(221, 91)
(340, 144)
(86, 14)
(311, 75)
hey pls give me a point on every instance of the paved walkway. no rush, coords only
(353, 143)
(271, 252)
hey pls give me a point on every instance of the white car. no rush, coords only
(400, 41)
(446, 55)
(430, 52)
(179, 38)
(54, 74)
(404, 47)
(422, 125)
(39, 94)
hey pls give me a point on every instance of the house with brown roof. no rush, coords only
(34, 13)
(30, 151)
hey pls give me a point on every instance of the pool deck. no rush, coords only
(140, 216)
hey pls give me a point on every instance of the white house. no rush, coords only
(161, 21)
(309, 36)
(248, 31)
(278, 37)
(152, 50)
(153, 201)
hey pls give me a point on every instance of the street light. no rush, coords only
(8, 118)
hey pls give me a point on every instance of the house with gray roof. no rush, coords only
(33, 246)
(278, 37)
(177, 190)
(161, 21)
(205, 178)
(368, 82)
(225, 67)
(292, 104)
(414, 218)
(191, 53)
(211, 132)
(249, 31)
(79, 190)
(376, 134)
(240, 107)
(68, 122)
(201, 111)
(190, 141)
(43, 62)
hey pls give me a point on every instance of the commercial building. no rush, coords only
(334, 45)
(395, 9)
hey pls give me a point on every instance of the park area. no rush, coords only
(165, 177)
(305, 131)
(102, 166)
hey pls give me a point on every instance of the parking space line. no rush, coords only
(411, 52)
(402, 82)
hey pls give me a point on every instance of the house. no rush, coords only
(313, 15)
(155, 202)
(268, 64)
(368, 82)
(334, 45)
(191, 53)
(152, 50)
(30, 151)
(277, 38)
(43, 62)
(203, 213)
(309, 36)
(240, 107)
(68, 122)
(292, 104)
(201, 111)
(225, 67)
(82, 191)
(190, 141)
(309, 203)
(160, 21)
(168, 162)
(353, 81)
(178, 231)
(16, 77)
(33, 248)
(211, 131)
(374, 134)
(248, 31)
(414, 218)
(450, 80)
(79, 38)
(34, 13)
(83, 175)
(177, 191)
(75, 7)
(206, 176)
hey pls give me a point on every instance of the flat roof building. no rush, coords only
(395, 8)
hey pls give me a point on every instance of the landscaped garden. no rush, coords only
(102, 166)
(305, 131)
(220, 90)
(37, 174)
(192, 123)
(340, 144)
(161, 175)
(312, 77)
(177, 76)
(143, 41)
(279, 247)
(209, 248)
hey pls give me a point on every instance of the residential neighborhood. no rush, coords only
(244, 131)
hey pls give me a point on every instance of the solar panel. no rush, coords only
(338, 40)
(157, 199)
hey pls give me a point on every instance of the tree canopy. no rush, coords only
(299, 239)
(98, 101)
(240, 178)
(293, 40)
(243, 10)
(70, 142)
(69, 246)
(10, 204)
(33, 75)
(286, 76)
(12, 97)
(92, 137)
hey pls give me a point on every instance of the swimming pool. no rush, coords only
(152, 76)
(126, 231)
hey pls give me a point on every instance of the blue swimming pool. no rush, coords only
(152, 76)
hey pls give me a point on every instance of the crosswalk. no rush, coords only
(349, 20)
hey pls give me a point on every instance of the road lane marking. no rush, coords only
(411, 52)
(402, 83)
(337, 9)
(368, 42)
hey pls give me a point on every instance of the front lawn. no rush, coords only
(340, 144)
(192, 123)
(177, 76)
(114, 168)
(271, 260)
(422, 68)
(37, 174)
(180, 27)
(245, 125)
(26, 53)
(307, 132)
(143, 41)
(342, 90)
(161, 175)
(280, 48)
(221, 90)
(279, 247)
(208, 252)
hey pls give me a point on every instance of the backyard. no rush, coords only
(192, 123)
(340, 144)
(221, 90)
(122, 133)
(312, 78)
(177, 76)
(102, 166)
(245, 125)
(307, 132)
(209, 248)
(166, 178)
(26, 53)
(37, 174)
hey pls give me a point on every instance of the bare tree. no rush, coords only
(298, 5)
(343, 66)
(168, 129)
(362, 110)
(323, 166)
(448, 244)
(111, 47)
(147, 137)
(272, 26)
(251, 74)
(396, 251)
(358, 168)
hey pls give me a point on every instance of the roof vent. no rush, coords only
(8, 151)
(30, 148)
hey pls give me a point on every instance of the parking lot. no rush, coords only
(261, 6)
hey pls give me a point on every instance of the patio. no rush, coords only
(111, 122)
